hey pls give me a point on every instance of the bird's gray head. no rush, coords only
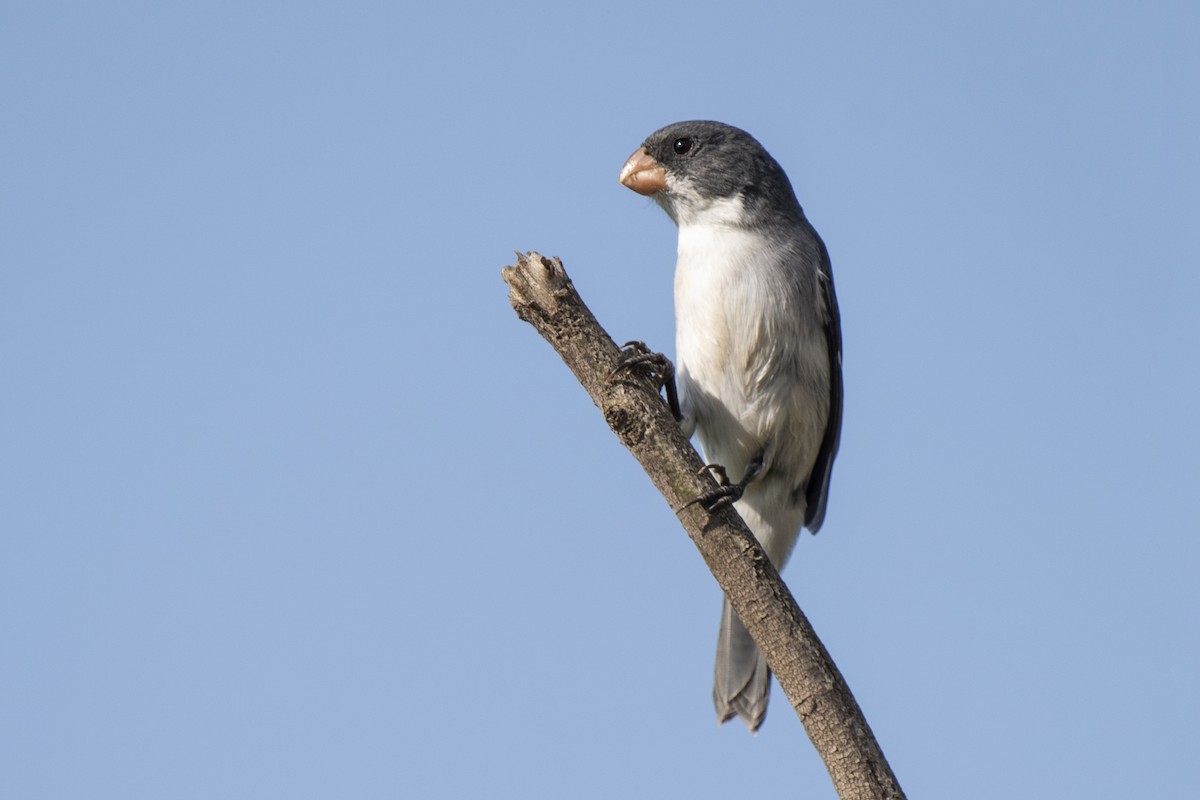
(690, 168)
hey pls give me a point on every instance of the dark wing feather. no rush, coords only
(817, 491)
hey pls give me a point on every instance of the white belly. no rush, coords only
(753, 377)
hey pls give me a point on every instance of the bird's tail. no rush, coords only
(743, 680)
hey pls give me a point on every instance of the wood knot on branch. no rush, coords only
(628, 425)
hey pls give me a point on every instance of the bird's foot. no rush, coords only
(726, 493)
(636, 355)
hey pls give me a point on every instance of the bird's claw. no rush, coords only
(637, 354)
(656, 366)
(726, 493)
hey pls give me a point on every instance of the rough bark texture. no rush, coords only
(542, 295)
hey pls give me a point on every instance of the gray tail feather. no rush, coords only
(743, 681)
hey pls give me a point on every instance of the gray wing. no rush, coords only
(817, 491)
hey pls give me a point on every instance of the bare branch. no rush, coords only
(542, 295)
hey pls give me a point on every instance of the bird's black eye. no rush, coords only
(682, 145)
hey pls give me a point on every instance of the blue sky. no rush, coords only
(292, 505)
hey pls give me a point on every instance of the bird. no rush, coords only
(758, 353)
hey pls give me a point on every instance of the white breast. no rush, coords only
(744, 355)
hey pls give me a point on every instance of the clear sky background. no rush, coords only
(292, 505)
